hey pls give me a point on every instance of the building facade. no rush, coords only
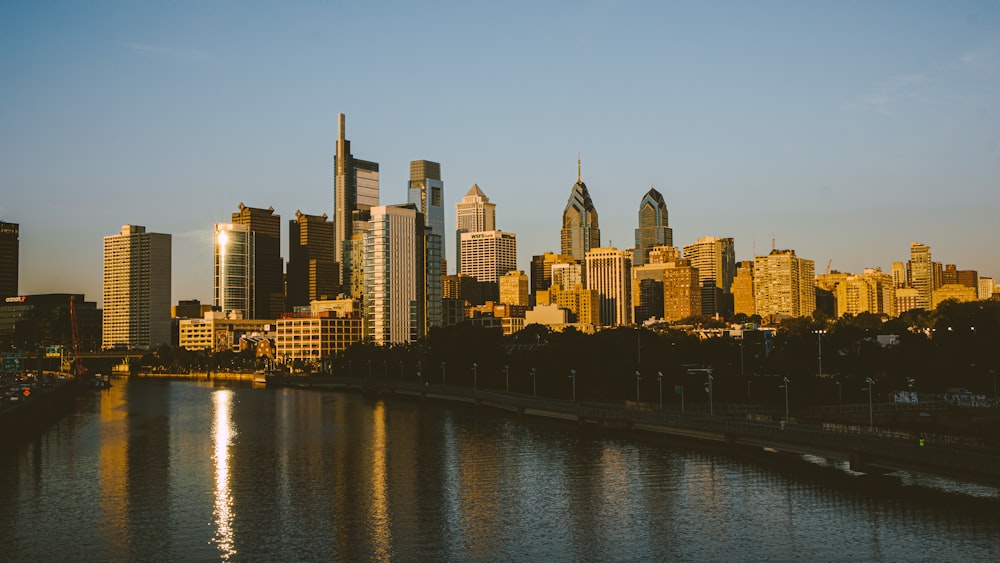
(473, 214)
(609, 272)
(784, 284)
(9, 258)
(315, 338)
(580, 229)
(426, 191)
(654, 227)
(137, 277)
(514, 288)
(233, 277)
(394, 275)
(921, 270)
(356, 191)
(313, 272)
(743, 298)
(715, 259)
(487, 255)
(269, 267)
(681, 291)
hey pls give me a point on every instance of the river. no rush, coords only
(172, 470)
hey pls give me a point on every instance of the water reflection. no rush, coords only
(113, 470)
(380, 520)
(222, 437)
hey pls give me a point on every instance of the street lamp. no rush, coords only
(840, 393)
(871, 415)
(475, 379)
(637, 380)
(534, 385)
(819, 350)
(572, 375)
(506, 375)
(711, 401)
(659, 380)
(419, 374)
(785, 379)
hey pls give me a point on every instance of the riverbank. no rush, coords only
(863, 450)
(46, 404)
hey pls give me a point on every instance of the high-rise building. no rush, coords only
(950, 274)
(654, 228)
(870, 292)
(394, 269)
(541, 269)
(355, 193)
(268, 266)
(473, 214)
(968, 278)
(514, 288)
(426, 192)
(137, 280)
(985, 288)
(233, 280)
(580, 230)
(743, 289)
(664, 254)
(921, 273)
(647, 291)
(9, 259)
(609, 272)
(313, 272)
(907, 299)
(567, 275)
(899, 274)
(681, 291)
(715, 259)
(784, 284)
(487, 255)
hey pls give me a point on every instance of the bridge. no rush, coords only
(865, 451)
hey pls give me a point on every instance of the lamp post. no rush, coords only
(506, 375)
(741, 367)
(711, 400)
(819, 350)
(572, 375)
(840, 393)
(637, 379)
(871, 413)
(659, 380)
(475, 378)
(419, 374)
(534, 385)
(785, 379)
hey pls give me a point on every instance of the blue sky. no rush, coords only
(846, 129)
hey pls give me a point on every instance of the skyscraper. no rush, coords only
(654, 229)
(9, 258)
(784, 284)
(312, 266)
(394, 271)
(743, 298)
(426, 192)
(609, 272)
(473, 214)
(233, 281)
(487, 255)
(681, 292)
(514, 288)
(921, 273)
(580, 230)
(137, 280)
(268, 266)
(355, 193)
(715, 259)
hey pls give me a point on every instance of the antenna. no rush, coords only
(579, 176)
(773, 247)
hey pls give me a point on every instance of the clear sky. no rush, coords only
(846, 129)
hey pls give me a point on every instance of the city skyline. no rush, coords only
(843, 131)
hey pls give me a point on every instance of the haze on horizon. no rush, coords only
(846, 130)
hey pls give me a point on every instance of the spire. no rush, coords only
(579, 177)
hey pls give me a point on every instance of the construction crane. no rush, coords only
(828, 264)
(75, 328)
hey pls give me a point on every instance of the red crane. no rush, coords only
(77, 355)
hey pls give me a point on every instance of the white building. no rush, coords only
(137, 276)
(394, 270)
(487, 255)
(609, 272)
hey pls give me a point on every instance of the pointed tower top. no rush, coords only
(579, 177)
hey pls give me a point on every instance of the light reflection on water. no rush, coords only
(222, 437)
(181, 471)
